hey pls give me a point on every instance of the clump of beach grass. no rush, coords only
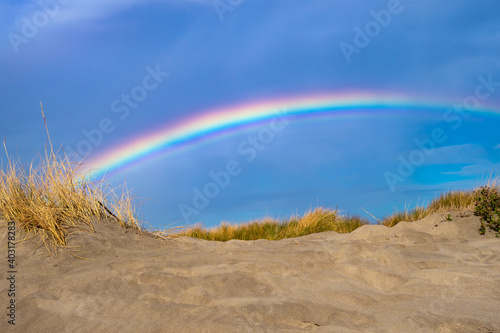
(314, 221)
(450, 201)
(51, 199)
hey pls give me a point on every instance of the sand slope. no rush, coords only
(425, 276)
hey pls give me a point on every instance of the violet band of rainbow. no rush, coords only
(210, 123)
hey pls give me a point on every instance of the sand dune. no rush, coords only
(425, 276)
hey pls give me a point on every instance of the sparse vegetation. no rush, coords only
(487, 200)
(455, 200)
(50, 198)
(318, 220)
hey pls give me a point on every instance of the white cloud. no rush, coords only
(458, 154)
(92, 9)
(484, 169)
(75, 11)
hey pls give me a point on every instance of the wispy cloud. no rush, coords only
(94, 9)
(457, 154)
(75, 11)
(483, 168)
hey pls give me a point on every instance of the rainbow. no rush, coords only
(219, 121)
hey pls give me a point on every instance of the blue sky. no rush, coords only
(78, 57)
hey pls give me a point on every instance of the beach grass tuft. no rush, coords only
(50, 198)
(450, 201)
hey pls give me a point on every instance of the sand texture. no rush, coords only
(425, 276)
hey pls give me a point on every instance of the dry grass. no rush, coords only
(318, 220)
(451, 201)
(50, 198)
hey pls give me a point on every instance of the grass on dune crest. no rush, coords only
(50, 198)
(314, 221)
(322, 219)
(450, 201)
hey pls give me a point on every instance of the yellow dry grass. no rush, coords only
(450, 201)
(50, 198)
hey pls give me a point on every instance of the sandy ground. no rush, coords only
(425, 276)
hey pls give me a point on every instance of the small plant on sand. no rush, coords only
(488, 208)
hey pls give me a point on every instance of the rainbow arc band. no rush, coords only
(216, 122)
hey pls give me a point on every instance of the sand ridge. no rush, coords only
(426, 276)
